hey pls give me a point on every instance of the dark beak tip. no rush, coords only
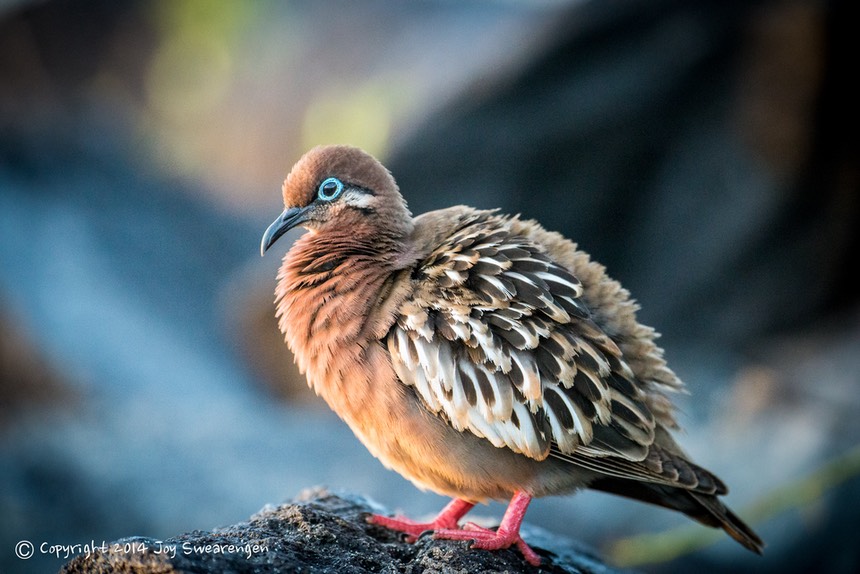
(283, 223)
(272, 233)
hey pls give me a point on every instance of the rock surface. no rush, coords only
(325, 532)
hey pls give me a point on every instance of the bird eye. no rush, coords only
(330, 189)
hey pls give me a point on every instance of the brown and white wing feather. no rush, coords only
(497, 339)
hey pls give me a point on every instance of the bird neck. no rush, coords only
(335, 298)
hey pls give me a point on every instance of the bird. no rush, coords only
(478, 354)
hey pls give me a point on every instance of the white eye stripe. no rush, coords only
(357, 199)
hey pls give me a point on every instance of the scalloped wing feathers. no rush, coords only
(511, 334)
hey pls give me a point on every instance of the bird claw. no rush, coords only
(448, 519)
(486, 539)
(411, 528)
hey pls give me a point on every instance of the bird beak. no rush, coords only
(291, 217)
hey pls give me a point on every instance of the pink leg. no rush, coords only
(505, 536)
(446, 520)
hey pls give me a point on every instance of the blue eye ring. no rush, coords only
(330, 189)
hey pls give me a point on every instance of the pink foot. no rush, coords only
(487, 539)
(507, 535)
(447, 520)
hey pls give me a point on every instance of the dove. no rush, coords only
(477, 354)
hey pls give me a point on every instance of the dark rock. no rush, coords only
(325, 532)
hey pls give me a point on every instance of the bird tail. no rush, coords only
(722, 517)
(704, 508)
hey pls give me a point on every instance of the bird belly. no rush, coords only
(396, 427)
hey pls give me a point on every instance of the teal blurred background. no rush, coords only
(707, 154)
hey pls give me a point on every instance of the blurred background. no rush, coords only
(705, 152)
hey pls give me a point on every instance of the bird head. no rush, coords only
(342, 188)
